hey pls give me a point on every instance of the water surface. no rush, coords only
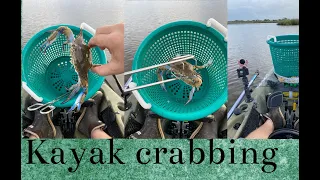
(248, 41)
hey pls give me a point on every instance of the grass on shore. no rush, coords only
(288, 22)
(281, 22)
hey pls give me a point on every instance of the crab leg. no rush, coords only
(160, 78)
(191, 95)
(75, 89)
(68, 41)
(160, 73)
(72, 87)
(182, 65)
(64, 44)
(80, 99)
(50, 40)
(55, 34)
(205, 65)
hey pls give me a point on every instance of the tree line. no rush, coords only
(282, 22)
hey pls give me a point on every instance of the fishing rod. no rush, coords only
(241, 96)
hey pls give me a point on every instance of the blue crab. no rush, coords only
(183, 71)
(81, 59)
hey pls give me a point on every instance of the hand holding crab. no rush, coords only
(81, 59)
(111, 38)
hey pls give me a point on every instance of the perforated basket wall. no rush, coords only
(182, 38)
(285, 55)
(50, 74)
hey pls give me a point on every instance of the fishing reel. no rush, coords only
(243, 71)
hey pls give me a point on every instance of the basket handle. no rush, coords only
(270, 37)
(32, 94)
(219, 27)
(141, 101)
(88, 28)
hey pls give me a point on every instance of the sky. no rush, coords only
(262, 9)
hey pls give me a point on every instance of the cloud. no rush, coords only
(262, 9)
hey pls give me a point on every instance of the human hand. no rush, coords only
(112, 38)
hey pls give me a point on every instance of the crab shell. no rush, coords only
(81, 59)
(187, 73)
(194, 81)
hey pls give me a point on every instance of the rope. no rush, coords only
(81, 116)
(195, 132)
(52, 126)
(160, 129)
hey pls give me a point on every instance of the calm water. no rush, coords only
(143, 17)
(39, 14)
(248, 41)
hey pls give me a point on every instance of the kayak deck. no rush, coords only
(247, 119)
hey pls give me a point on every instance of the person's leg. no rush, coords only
(99, 134)
(41, 127)
(275, 120)
(89, 123)
(263, 131)
(33, 137)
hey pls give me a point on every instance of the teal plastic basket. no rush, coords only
(182, 38)
(49, 74)
(285, 54)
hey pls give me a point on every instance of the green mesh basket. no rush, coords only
(182, 38)
(285, 54)
(49, 74)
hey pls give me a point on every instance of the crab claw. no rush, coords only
(191, 95)
(45, 46)
(49, 41)
(55, 34)
(205, 65)
(80, 99)
(208, 63)
(75, 89)
(160, 78)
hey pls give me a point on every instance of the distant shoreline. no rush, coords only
(280, 22)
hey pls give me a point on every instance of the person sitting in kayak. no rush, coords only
(276, 121)
(262, 132)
